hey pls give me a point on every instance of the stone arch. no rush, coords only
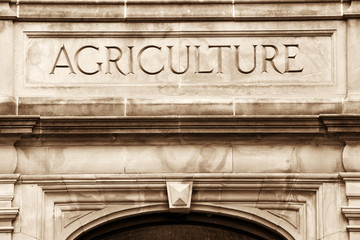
(253, 215)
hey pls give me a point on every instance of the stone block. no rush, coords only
(352, 106)
(6, 236)
(351, 160)
(297, 158)
(67, 160)
(353, 189)
(6, 59)
(182, 106)
(76, 10)
(7, 190)
(30, 215)
(7, 106)
(353, 68)
(178, 159)
(333, 220)
(8, 159)
(287, 107)
(71, 106)
(319, 158)
(178, 10)
(288, 9)
(32, 160)
(263, 158)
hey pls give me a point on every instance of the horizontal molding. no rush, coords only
(8, 179)
(223, 179)
(342, 123)
(350, 176)
(8, 214)
(6, 229)
(266, 124)
(17, 124)
(180, 10)
(351, 213)
(179, 124)
(179, 34)
(353, 228)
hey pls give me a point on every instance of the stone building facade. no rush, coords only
(138, 119)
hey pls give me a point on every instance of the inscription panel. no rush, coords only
(62, 58)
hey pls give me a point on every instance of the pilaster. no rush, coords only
(8, 213)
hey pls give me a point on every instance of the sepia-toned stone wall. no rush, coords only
(115, 109)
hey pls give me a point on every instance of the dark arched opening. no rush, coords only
(171, 226)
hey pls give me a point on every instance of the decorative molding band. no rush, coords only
(354, 10)
(8, 214)
(338, 123)
(6, 229)
(351, 213)
(180, 10)
(9, 179)
(189, 124)
(350, 176)
(234, 182)
(261, 124)
(17, 124)
(353, 228)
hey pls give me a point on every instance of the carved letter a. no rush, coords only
(62, 49)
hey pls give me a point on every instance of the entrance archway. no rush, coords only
(171, 226)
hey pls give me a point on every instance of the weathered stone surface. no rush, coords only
(264, 158)
(319, 158)
(169, 106)
(117, 10)
(254, 10)
(70, 160)
(65, 11)
(7, 57)
(187, 59)
(8, 159)
(178, 159)
(351, 157)
(353, 62)
(178, 10)
(71, 107)
(287, 107)
(255, 102)
(7, 106)
(280, 158)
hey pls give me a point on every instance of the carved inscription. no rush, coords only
(179, 58)
(115, 54)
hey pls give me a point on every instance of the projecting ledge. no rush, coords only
(354, 10)
(165, 124)
(179, 124)
(258, 124)
(180, 10)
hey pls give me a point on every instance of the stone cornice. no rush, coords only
(176, 10)
(230, 181)
(178, 124)
(17, 124)
(342, 123)
(257, 124)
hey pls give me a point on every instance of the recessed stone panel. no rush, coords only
(187, 59)
(159, 57)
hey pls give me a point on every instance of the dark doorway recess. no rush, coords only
(170, 226)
